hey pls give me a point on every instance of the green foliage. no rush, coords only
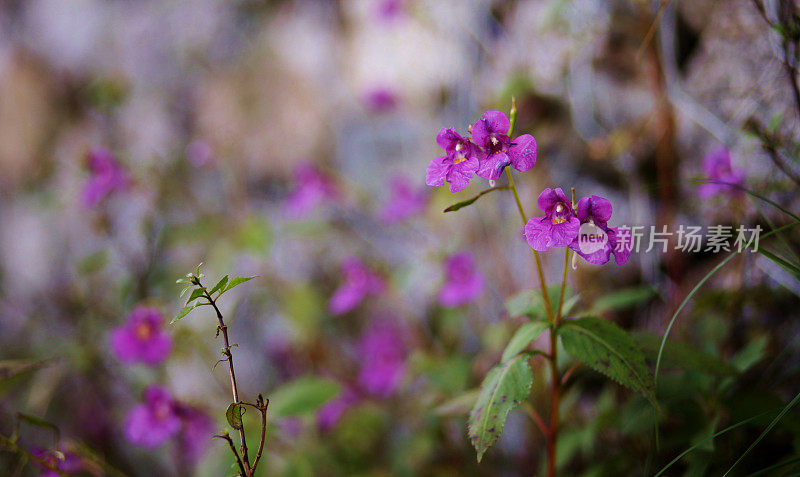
(683, 356)
(235, 282)
(529, 303)
(505, 387)
(302, 396)
(234, 415)
(523, 337)
(220, 285)
(184, 311)
(608, 349)
(622, 299)
(470, 201)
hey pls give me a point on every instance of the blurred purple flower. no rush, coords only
(141, 339)
(196, 432)
(717, 167)
(382, 354)
(558, 227)
(458, 165)
(72, 463)
(153, 422)
(463, 281)
(106, 176)
(311, 188)
(405, 201)
(390, 10)
(330, 414)
(380, 100)
(291, 426)
(199, 153)
(491, 133)
(359, 281)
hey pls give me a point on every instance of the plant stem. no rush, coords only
(234, 388)
(542, 281)
(555, 379)
(563, 287)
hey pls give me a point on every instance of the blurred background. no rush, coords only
(290, 139)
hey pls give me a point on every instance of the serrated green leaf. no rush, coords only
(197, 293)
(234, 415)
(302, 396)
(523, 337)
(184, 311)
(503, 389)
(683, 356)
(236, 281)
(468, 202)
(220, 285)
(608, 349)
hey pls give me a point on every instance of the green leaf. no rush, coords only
(793, 269)
(503, 389)
(606, 348)
(523, 337)
(622, 299)
(302, 396)
(220, 285)
(468, 202)
(197, 293)
(183, 292)
(683, 356)
(184, 311)
(529, 303)
(236, 281)
(234, 415)
(12, 367)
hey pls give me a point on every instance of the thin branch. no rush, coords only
(537, 418)
(227, 438)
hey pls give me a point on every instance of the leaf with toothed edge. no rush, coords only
(523, 337)
(608, 349)
(503, 389)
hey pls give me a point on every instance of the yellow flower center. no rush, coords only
(144, 331)
(559, 220)
(459, 160)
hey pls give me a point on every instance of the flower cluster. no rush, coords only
(486, 153)
(583, 228)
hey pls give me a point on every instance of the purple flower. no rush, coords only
(311, 188)
(382, 354)
(359, 281)
(405, 201)
(153, 422)
(458, 165)
(558, 227)
(331, 413)
(596, 211)
(463, 281)
(72, 463)
(141, 339)
(389, 10)
(717, 167)
(291, 426)
(106, 176)
(380, 100)
(196, 432)
(491, 133)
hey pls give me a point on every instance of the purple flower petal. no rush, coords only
(523, 152)
(492, 122)
(460, 174)
(594, 208)
(463, 281)
(437, 171)
(141, 338)
(153, 422)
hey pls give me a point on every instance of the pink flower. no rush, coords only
(405, 201)
(141, 339)
(382, 354)
(331, 413)
(359, 281)
(72, 463)
(463, 282)
(153, 422)
(491, 134)
(106, 176)
(196, 432)
(311, 188)
(459, 164)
